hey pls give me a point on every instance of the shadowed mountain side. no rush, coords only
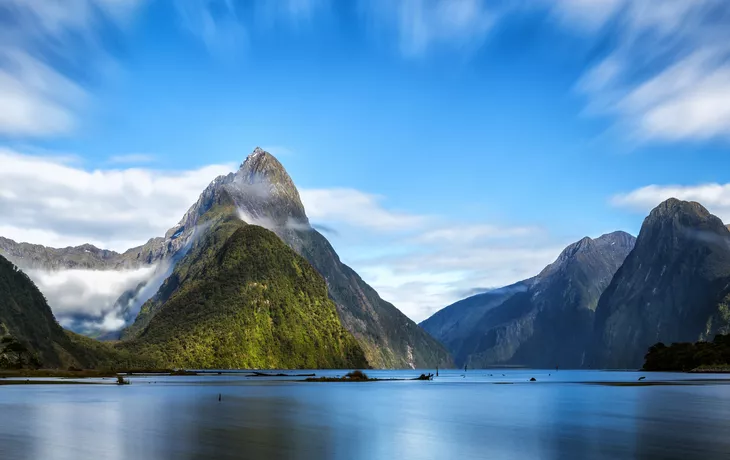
(673, 287)
(454, 324)
(548, 320)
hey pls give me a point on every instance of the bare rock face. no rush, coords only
(673, 287)
(540, 322)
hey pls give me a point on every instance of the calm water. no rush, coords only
(557, 417)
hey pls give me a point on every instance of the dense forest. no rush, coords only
(244, 299)
(689, 356)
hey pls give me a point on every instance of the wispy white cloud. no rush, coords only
(63, 204)
(422, 24)
(667, 76)
(357, 209)
(585, 15)
(38, 98)
(225, 26)
(422, 282)
(422, 263)
(715, 197)
(46, 200)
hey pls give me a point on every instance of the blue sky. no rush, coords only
(452, 145)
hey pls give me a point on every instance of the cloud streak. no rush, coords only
(357, 209)
(424, 24)
(715, 197)
(39, 99)
(422, 263)
(58, 204)
(667, 77)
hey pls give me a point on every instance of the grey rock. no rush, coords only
(673, 287)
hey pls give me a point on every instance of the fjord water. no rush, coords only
(496, 414)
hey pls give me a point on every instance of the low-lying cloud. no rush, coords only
(89, 294)
(61, 204)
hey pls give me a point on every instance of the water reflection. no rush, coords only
(179, 419)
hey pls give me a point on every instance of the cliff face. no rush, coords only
(673, 287)
(541, 322)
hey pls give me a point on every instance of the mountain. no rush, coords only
(241, 298)
(454, 324)
(25, 316)
(540, 322)
(30, 335)
(263, 194)
(86, 256)
(39, 261)
(673, 287)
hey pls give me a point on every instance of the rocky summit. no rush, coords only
(673, 287)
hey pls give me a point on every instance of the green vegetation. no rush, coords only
(15, 355)
(699, 356)
(29, 333)
(31, 338)
(241, 298)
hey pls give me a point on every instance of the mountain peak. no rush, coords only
(681, 217)
(263, 188)
(259, 159)
(673, 206)
(262, 167)
(618, 243)
(617, 237)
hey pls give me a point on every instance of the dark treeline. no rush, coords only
(689, 356)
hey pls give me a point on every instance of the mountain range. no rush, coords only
(539, 322)
(604, 301)
(245, 281)
(259, 194)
